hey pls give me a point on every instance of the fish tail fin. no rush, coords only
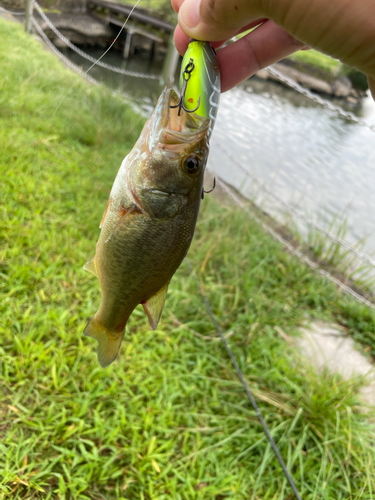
(108, 341)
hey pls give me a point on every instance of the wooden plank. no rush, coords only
(137, 14)
(133, 29)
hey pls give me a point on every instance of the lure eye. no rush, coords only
(191, 165)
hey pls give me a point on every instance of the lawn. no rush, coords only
(169, 419)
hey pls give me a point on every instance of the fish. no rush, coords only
(149, 222)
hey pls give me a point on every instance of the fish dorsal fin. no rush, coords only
(154, 306)
(90, 266)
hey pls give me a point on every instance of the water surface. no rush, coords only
(310, 157)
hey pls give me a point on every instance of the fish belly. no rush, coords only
(137, 260)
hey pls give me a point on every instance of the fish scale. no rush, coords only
(149, 221)
(143, 240)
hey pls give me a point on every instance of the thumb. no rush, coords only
(216, 20)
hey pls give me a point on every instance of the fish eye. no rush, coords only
(191, 165)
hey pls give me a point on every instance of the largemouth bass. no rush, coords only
(149, 221)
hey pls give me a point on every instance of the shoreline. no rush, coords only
(338, 88)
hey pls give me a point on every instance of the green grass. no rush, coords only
(316, 59)
(331, 254)
(149, 4)
(342, 260)
(160, 8)
(326, 67)
(169, 419)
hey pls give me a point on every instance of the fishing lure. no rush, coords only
(200, 81)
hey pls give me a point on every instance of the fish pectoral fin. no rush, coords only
(109, 342)
(154, 306)
(90, 266)
(123, 215)
(105, 213)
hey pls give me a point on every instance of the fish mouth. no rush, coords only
(175, 125)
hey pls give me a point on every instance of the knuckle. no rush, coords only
(252, 54)
(296, 44)
(209, 12)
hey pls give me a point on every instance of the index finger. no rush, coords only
(181, 40)
(265, 45)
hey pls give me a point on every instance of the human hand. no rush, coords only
(340, 28)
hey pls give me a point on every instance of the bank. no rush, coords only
(346, 85)
(169, 419)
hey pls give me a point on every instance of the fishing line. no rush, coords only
(101, 57)
(11, 12)
(86, 56)
(243, 382)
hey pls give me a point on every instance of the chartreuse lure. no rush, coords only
(200, 81)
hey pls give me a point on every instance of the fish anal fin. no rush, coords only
(90, 266)
(108, 342)
(154, 306)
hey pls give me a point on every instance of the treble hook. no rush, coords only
(187, 71)
(210, 191)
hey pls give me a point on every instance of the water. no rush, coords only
(305, 153)
(308, 156)
(139, 88)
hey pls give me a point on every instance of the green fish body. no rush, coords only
(149, 221)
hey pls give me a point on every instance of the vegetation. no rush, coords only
(351, 268)
(358, 79)
(316, 59)
(328, 68)
(160, 8)
(169, 419)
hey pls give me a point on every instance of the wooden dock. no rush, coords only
(119, 12)
(140, 23)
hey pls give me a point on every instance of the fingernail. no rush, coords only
(189, 13)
